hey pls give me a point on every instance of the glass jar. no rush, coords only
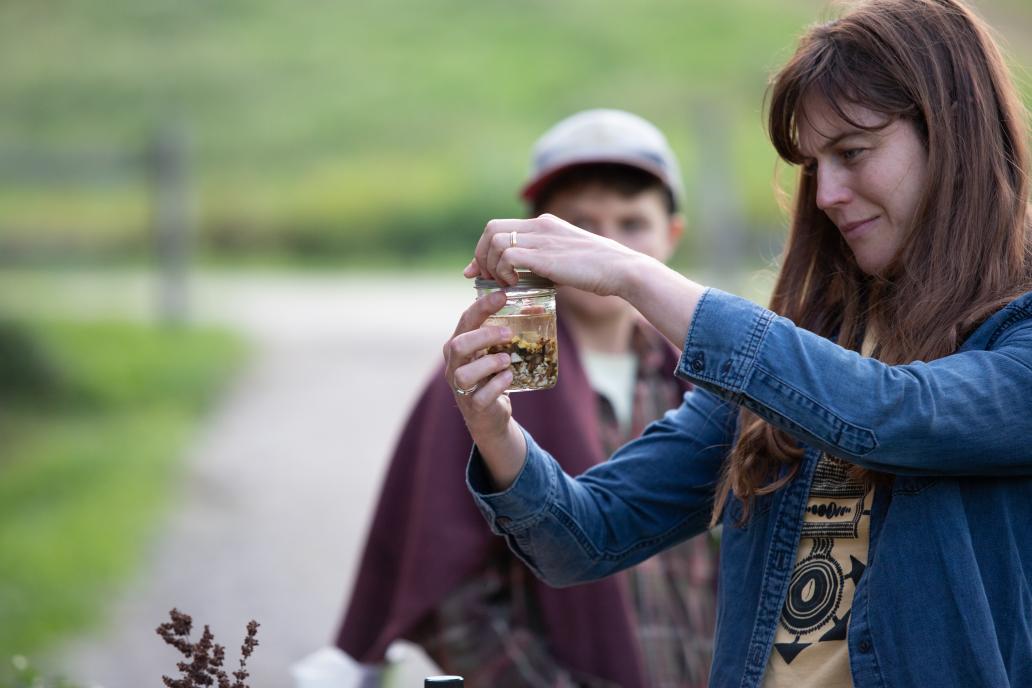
(529, 312)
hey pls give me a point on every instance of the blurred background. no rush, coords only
(231, 237)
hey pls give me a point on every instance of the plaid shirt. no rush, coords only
(487, 630)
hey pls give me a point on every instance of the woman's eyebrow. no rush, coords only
(833, 141)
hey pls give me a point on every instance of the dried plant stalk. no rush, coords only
(203, 661)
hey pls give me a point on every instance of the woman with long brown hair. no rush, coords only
(864, 441)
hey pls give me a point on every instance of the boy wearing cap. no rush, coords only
(433, 574)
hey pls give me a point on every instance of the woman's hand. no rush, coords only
(555, 249)
(479, 381)
(574, 257)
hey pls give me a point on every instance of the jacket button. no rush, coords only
(503, 521)
(699, 362)
(864, 646)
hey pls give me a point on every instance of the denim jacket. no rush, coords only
(946, 599)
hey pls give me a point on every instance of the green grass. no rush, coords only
(336, 130)
(86, 470)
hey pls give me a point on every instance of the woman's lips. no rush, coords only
(857, 229)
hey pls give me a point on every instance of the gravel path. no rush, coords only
(282, 479)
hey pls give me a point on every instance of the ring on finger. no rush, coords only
(512, 239)
(464, 392)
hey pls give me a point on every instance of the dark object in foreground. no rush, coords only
(204, 659)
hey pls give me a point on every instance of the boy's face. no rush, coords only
(640, 222)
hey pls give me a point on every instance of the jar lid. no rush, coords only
(528, 280)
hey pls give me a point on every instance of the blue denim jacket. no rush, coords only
(946, 599)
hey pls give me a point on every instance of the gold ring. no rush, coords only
(512, 239)
(464, 392)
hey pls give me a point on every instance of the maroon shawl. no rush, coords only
(427, 535)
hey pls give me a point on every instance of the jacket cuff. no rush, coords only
(521, 504)
(723, 342)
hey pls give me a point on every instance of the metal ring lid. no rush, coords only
(528, 280)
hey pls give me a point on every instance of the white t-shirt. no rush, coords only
(613, 376)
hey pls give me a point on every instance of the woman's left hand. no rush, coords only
(553, 248)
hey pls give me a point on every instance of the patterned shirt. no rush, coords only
(810, 649)
(487, 630)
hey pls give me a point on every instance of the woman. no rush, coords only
(865, 441)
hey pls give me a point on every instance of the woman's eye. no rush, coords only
(632, 226)
(851, 154)
(810, 167)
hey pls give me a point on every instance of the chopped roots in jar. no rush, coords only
(534, 363)
(533, 350)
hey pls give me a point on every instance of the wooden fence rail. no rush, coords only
(165, 164)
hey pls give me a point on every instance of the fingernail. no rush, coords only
(505, 332)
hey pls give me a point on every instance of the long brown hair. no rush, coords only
(969, 248)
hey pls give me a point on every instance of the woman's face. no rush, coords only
(869, 183)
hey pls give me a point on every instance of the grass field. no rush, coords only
(356, 131)
(89, 449)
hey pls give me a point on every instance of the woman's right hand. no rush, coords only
(479, 381)
(551, 247)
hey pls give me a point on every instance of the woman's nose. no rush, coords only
(832, 189)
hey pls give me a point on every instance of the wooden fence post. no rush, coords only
(172, 228)
(720, 206)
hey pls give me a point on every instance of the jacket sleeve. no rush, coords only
(655, 491)
(964, 414)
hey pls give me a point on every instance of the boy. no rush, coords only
(433, 574)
